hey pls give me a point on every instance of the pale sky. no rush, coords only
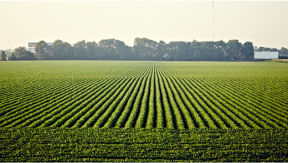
(264, 23)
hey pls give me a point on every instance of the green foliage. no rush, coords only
(143, 111)
(89, 144)
(146, 49)
(43, 50)
(283, 53)
(261, 48)
(2, 55)
(248, 51)
(22, 54)
(114, 49)
(61, 50)
(181, 95)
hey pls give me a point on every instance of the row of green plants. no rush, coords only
(91, 144)
(154, 96)
(261, 108)
(36, 107)
(46, 116)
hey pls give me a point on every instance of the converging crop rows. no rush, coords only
(144, 95)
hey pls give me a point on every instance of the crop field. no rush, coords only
(181, 99)
(90, 144)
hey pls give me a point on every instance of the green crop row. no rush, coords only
(90, 144)
(178, 95)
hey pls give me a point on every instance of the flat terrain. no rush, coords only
(279, 60)
(90, 144)
(72, 99)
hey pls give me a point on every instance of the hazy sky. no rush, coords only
(263, 23)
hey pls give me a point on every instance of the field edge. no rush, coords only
(90, 144)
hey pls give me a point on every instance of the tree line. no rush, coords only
(143, 49)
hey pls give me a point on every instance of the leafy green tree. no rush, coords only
(114, 49)
(80, 49)
(233, 50)
(161, 50)
(178, 50)
(3, 56)
(265, 49)
(43, 50)
(62, 50)
(283, 53)
(195, 48)
(93, 51)
(248, 51)
(21, 53)
(12, 57)
(145, 49)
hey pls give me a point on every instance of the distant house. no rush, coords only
(266, 55)
(32, 46)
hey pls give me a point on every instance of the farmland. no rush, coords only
(239, 102)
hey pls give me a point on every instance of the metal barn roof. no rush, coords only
(265, 55)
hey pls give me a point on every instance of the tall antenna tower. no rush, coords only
(213, 26)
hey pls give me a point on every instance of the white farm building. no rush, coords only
(266, 55)
(32, 46)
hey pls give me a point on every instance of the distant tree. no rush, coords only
(208, 51)
(263, 49)
(87, 50)
(283, 53)
(178, 50)
(21, 53)
(220, 44)
(273, 50)
(12, 57)
(260, 49)
(43, 50)
(114, 49)
(233, 50)
(62, 50)
(196, 49)
(248, 51)
(92, 50)
(2, 56)
(161, 50)
(80, 49)
(219, 47)
(145, 49)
